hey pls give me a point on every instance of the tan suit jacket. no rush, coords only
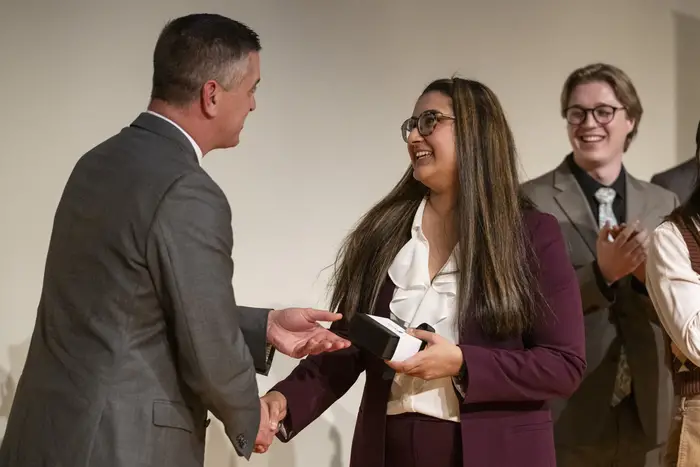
(629, 317)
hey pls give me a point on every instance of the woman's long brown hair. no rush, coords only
(497, 287)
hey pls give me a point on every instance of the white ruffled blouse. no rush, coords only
(416, 300)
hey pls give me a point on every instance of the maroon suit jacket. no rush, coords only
(505, 419)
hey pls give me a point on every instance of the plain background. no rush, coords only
(338, 78)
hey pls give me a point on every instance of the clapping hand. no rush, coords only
(296, 332)
(641, 239)
(440, 358)
(625, 254)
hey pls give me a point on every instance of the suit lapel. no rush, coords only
(573, 203)
(635, 200)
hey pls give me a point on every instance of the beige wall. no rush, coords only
(338, 79)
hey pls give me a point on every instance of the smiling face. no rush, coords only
(433, 156)
(597, 144)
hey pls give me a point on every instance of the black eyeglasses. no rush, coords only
(602, 114)
(425, 123)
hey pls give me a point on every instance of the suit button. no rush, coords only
(241, 441)
(207, 422)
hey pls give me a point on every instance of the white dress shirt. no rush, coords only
(674, 289)
(416, 300)
(196, 147)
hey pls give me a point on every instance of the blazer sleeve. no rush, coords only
(316, 383)
(253, 324)
(595, 294)
(661, 179)
(554, 364)
(674, 288)
(189, 257)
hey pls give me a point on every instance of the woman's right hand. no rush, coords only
(274, 404)
(440, 359)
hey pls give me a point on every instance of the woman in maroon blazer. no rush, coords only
(454, 245)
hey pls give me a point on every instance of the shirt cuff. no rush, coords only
(460, 381)
(608, 291)
(269, 356)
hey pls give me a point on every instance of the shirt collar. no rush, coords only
(590, 185)
(196, 147)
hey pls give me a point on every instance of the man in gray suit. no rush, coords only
(138, 334)
(621, 412)
(682, 178)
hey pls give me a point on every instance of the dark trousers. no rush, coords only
(415, 440)
(621, 444)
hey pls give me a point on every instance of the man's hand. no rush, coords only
(296, 332)
(624, 254)
(273, 406)
(440, 359)
(640, 272)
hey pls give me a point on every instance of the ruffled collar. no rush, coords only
(410, 274)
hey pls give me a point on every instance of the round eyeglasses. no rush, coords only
(603, 114)
(425, 123)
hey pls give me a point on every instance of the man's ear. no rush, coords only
(210, 98)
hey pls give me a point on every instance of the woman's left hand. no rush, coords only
(440, 358)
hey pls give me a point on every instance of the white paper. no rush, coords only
(408, 345)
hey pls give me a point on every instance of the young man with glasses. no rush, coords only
(621, 412)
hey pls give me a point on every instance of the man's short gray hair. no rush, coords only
(194, 49)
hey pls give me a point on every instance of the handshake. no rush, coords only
(273, 409)
(440, 359)
(296, 332)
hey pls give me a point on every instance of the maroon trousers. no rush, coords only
(416, 440)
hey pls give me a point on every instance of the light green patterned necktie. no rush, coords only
(623, 379)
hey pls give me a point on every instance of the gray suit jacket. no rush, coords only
(138, 333)
(629, 317)
(680, 179)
